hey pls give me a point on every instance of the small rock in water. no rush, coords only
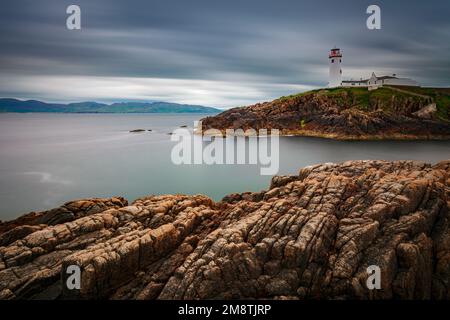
(137, 130)
(183, 126)
(149, 130)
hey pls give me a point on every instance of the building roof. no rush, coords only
(355, 81)
(366, 80)
(386, 77)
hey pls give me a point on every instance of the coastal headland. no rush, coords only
(390, 112)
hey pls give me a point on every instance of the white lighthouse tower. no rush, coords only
(335, 58)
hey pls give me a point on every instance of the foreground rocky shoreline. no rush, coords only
(309, 236)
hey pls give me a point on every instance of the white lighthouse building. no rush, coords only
(335, 77)
(372, 83)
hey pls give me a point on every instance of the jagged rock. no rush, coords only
(309, 236)
(18, 233)
(427, 112)
(68, 212)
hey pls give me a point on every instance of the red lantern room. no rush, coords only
(335, 53)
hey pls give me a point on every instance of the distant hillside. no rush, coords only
(348, 113)
(15, 105)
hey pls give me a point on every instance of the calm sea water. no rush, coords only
(47, 159)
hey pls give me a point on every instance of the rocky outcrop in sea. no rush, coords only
(345, 114)
(309, 236)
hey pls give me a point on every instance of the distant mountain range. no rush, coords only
(15, 105)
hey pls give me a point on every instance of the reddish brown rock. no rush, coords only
(68, 212)
(309, 236)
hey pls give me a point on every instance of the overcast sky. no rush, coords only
(213, 52)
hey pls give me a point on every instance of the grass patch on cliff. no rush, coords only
(365, 100)
(296, 95)
(361, 98)
(382, 98)
(441, 96)
(443, 107)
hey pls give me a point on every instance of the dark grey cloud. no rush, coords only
(259, 46)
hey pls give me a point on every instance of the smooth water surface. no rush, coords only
(48, 159)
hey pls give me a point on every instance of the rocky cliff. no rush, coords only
(309, 236)
(347, 113)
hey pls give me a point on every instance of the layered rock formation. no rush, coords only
(309, 236)
(345, 113)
